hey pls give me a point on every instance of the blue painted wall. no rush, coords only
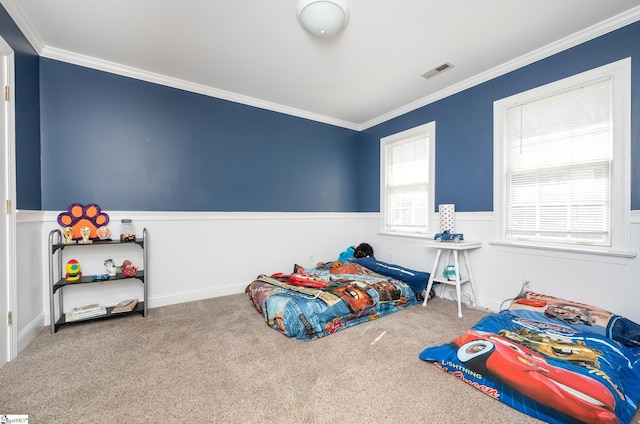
(131, 145)
(464, 124)
(27, 115)
(126, 144)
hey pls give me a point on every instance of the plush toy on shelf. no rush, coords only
(73, 270)
(128, 269)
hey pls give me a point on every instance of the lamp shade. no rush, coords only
(322, 18)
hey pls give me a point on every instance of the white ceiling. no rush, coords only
(255, 52)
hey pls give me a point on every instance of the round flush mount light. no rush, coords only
(322, 18)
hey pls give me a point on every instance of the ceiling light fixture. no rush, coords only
(322, 18)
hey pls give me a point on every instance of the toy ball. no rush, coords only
(73, 270)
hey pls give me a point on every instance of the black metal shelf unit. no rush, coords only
(58, 283)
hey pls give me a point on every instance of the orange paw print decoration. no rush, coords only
(78, 216)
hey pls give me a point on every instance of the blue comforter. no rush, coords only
(320, 301)
(556, 360)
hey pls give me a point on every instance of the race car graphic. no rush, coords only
(555, 346)
(356, 297)
(575, 395)
(570, 313)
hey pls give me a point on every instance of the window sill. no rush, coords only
(551, 250)
(407, 235)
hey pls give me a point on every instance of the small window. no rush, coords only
(407, 181)
(559, 148)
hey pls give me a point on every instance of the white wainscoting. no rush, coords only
(29, 316)
(194, 256)
(612, 283)
(198, 255)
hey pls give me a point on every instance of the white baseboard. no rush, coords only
(190, 296)
(31, 330)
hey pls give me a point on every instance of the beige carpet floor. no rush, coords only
(216, 361)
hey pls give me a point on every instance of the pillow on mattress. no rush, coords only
(580, 316)
(417, 280)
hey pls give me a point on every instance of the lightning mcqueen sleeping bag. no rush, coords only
(552, 359)
(320, 301)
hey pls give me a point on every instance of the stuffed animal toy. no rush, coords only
(128, 269)
(347, 254)
(364, 250)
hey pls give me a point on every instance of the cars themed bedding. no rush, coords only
(553, 359)
(313, 303)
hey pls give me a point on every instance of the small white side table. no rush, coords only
(450, 247)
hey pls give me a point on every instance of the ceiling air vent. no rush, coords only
(437, 70)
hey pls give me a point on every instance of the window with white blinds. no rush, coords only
(558, 166)
(407, 180)
(561, 148)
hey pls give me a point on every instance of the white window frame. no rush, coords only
(620, 74)
(429, 130)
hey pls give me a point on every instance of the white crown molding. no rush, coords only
(573, 40)
(140, 74)
(587, 34)
(24, 24)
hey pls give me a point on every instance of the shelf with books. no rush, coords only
(108, 313)
(125, 306)
(86, 311)
(58, 283)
